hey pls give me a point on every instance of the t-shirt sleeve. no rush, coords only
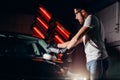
(88, 22)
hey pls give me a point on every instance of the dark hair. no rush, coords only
(85, 6)
(78, 10)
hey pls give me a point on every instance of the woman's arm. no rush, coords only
(78, 37)
(63, 45)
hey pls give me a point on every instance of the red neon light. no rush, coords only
(39, 32)
(63, 31)
(60, 28)
(58, 39)
(45, 13)
(43, 23)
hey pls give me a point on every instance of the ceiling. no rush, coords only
(29, 6)
(61, 9)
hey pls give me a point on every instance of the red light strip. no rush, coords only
(45, 13)
(42, 23)
(58, 39)
(39, 32)
(64, 32)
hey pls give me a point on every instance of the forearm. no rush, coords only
(78, 37)
(75, 40)
(81, 32)
(71, 43)
(79, 41)
(63, 45)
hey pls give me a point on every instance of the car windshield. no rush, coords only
(21, 45)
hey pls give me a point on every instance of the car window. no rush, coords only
(20, 47)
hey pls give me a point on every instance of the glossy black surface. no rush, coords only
(21, 59)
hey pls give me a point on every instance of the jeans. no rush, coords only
(97, 69)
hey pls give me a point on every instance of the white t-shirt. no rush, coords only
(94, 39)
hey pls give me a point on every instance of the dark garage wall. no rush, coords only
(16, 22)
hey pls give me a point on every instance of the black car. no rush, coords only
(21, 58)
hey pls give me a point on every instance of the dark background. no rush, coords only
(60, 9)
(13, 18)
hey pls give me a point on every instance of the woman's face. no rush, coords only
(78, 16)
